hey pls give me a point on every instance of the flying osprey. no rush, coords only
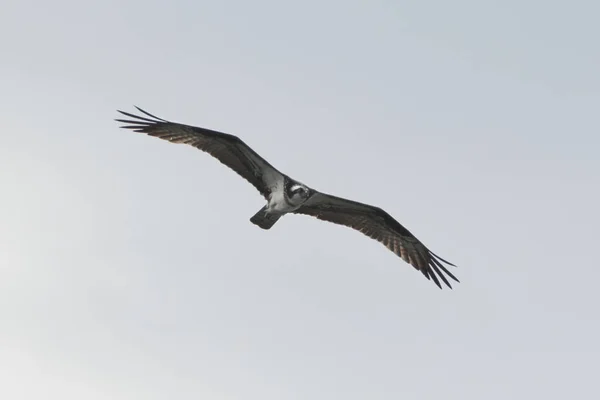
(285, 195)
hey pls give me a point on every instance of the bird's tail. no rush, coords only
(264, 219)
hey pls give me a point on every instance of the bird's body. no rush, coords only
(285, 195)
(282, 199)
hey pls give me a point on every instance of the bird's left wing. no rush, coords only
(379, 225)
(228, 149)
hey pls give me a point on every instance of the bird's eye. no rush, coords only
(299, 191)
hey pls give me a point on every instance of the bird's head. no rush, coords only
(298, 193)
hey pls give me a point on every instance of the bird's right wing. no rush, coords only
(228, 149)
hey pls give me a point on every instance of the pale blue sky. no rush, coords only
(129, 268)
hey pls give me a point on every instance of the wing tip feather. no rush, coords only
(436, 266)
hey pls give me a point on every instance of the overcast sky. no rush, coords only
(128, 265)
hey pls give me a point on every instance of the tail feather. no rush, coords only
(263, 219)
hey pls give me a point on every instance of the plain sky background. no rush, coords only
(129, 268)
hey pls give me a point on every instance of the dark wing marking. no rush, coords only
(378, 225)
(228, 149)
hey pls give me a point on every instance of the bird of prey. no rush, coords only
(285, 195)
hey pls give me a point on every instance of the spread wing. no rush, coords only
(228, 149)
(379, 225)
